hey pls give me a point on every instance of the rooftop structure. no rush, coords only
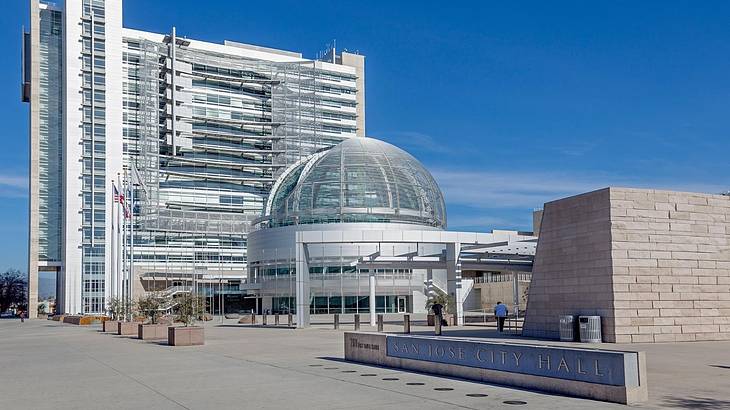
(359, 180)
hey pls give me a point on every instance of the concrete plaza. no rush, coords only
(48, 365)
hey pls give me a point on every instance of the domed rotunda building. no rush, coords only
(359, 228)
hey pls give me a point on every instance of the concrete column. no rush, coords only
(302, 267)
(372, 297)
(453, 279)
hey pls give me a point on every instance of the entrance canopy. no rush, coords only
(415, 249)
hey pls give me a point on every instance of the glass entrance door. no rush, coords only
(402, 304)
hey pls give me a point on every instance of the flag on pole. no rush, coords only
(119, 198)
(137, 179)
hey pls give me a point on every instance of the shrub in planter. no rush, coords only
(119, 309)
(189, 307)
(150, 306)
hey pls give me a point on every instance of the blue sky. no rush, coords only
(509, 105)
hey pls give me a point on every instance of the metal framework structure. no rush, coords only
(360, 180)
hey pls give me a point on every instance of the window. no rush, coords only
(98, 28)
(99, 96)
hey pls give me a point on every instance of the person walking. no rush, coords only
(22, 317)
(438, 310)
(500, 311)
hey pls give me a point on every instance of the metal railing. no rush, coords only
(502, 277)
(485, 317)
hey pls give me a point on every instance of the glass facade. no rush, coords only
(50, 163)
(334, 304)
(93, 158)
(360, 180)
(210, 133)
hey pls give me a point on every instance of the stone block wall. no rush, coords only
(668, 265)
(572, 269)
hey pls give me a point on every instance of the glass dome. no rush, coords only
(358, 180)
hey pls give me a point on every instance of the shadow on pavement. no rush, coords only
(258, 326)
(695, 402)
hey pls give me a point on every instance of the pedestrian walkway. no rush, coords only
(48, 365)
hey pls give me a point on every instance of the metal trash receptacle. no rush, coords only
(590, 329)
(567, 328)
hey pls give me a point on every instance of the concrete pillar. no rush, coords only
(302, 279)
(372, 297)
(453, 279)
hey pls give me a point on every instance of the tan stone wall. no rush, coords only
(491, 293)
(671, 265)
(666, 276)
(572, 269)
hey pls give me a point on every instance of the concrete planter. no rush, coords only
(185, 336)
(110, 326)
(127, 328)
(247, 319)
(152, 331)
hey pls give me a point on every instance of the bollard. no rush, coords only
(263, 319)
(380, 322)
(406, 324)
(253, 318)
(290, 321)
(337, 320)
(276, 319)
(437, 324)
(357, 321)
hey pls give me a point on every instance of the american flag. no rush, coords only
(119, 198)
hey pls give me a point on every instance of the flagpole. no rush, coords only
(125, 262)
(120, 243)
(131, 243)
(120, 246)
(112, 284)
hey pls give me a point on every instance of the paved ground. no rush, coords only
(45, 364)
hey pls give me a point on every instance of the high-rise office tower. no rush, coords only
(203, 129)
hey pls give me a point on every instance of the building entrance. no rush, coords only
(402, 304)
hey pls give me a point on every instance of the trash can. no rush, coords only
(590, 329)
(567, 328)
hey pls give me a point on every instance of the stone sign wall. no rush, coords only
(654, 264)
(598, 374)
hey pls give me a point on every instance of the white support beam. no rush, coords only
(302, 279)
(371, 282)
(453, 279)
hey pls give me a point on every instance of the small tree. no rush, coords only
(442, 299)
(41, 309)
(150, 306)
(119, 308)
(189, 307)
(12, 290)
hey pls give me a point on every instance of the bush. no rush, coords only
(119, 308)
(150, 306)
(189, 307)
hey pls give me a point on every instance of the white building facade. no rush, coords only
(360, 228)
(207, 128)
